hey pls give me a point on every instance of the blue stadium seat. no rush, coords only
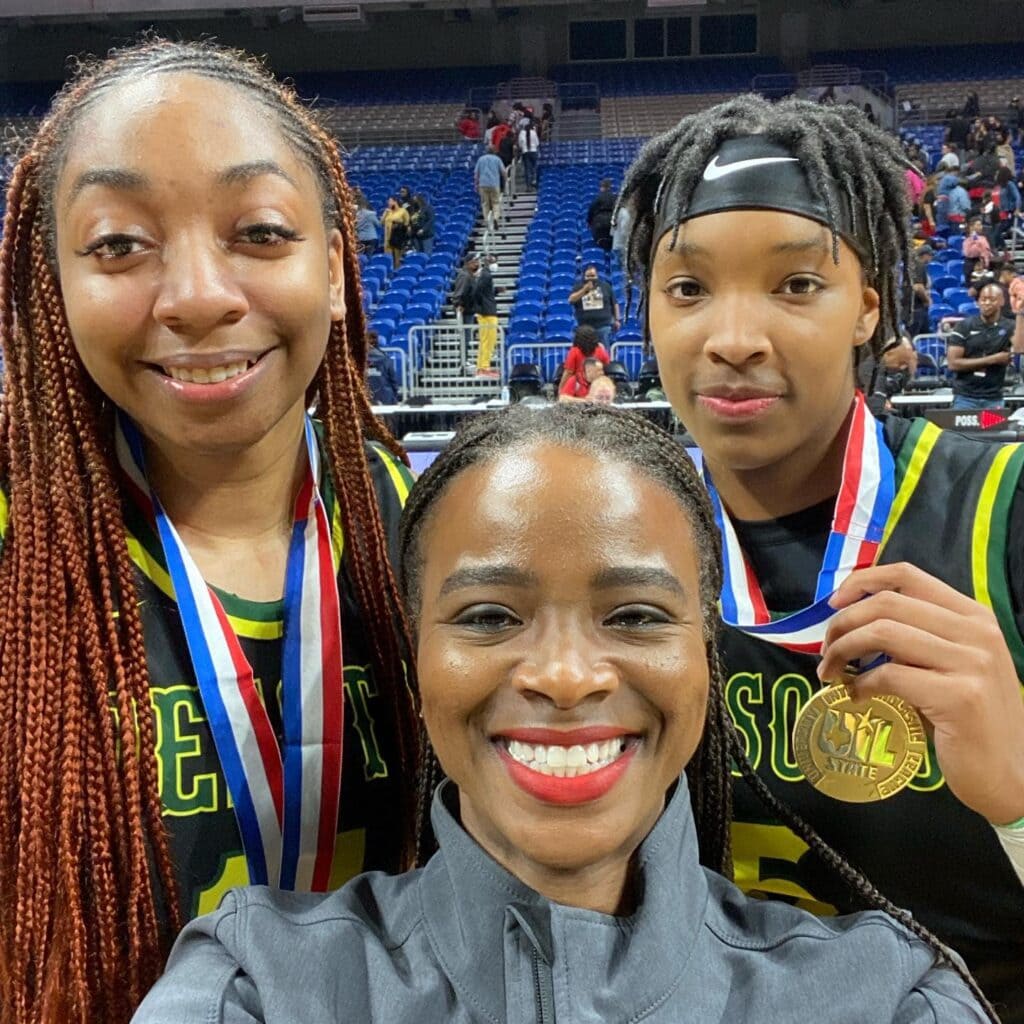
(956, 296)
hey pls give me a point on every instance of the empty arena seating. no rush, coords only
(937, 79)
(969, 64)
(649, 115)
(396, 301)
(558, 247)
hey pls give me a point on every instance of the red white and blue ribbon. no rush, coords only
(285, 795)
(858, 524)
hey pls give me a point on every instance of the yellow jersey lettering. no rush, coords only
(742, 690)
(177, 713)
(789, 694)
(349, 853)
(360, 689)
(765, 859)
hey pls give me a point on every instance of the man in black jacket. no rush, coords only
(599, 216)
(422, 215)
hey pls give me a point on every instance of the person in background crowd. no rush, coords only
(395, 220)
(980, 172)
(921, 299)
(952, 203)
(1009, 206)
(957, 131)
(367, 225)
(599, 215)
(485, 306)
(492, 122)
(977, 250)
(468, 125)
(928, 204)
(529, 151)
(1004, 151)
(507, 147)
(586, 344)
(972, 105)
(577, 386)
(489, 179)
(915, 187)
(950, 159)
(602, 391)
(422, 223)
(462, 289)
(1015, 294)
(404, 196)
(880, 380)
(979, 349)
(1015, 120)
(381, 378)
(594, 303)
(547, 122)
(761, 284)
(178, 277)
(1005, 276)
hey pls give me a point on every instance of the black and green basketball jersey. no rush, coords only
(205, 843)
(922, 848)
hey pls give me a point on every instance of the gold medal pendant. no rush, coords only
(858, 751)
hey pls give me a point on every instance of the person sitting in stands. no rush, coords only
(586, 344)
(577, 386)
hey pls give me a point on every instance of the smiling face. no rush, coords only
(198, 276)
(561, 658)
(754, 328)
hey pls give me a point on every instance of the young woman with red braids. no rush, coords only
(201, 644)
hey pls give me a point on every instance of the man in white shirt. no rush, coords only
(529, 149)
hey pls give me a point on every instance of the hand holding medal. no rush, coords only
(857, 748)
(949, 661)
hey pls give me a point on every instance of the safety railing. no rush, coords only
(548, 355)
(630, 354)
(443, 360)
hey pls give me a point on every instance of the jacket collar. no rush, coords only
(468, 900)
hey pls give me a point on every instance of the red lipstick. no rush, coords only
(581, 789)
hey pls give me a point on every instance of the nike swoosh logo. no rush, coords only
(714, 170)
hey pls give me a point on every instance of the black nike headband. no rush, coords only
(754, 173)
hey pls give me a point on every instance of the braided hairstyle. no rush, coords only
(86, 879)
(838, 148)
(614, 435)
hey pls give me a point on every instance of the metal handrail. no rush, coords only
(539, 346)
(422, 355)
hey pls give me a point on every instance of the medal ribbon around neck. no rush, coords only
(286, 797)
(862, 508)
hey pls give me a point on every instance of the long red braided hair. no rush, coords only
(86, 879)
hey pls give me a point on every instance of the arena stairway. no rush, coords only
(445, 377)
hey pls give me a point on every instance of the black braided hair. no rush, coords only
(614, 435)
(838, 148)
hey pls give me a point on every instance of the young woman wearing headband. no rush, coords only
(200, 635)
(569, 674)
(773, 242)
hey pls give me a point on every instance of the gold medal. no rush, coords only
(855, 750)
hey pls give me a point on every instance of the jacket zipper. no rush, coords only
(542, 990)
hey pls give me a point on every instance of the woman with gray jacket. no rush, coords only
(571, 688)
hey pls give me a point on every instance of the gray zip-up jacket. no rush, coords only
(463, 940)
